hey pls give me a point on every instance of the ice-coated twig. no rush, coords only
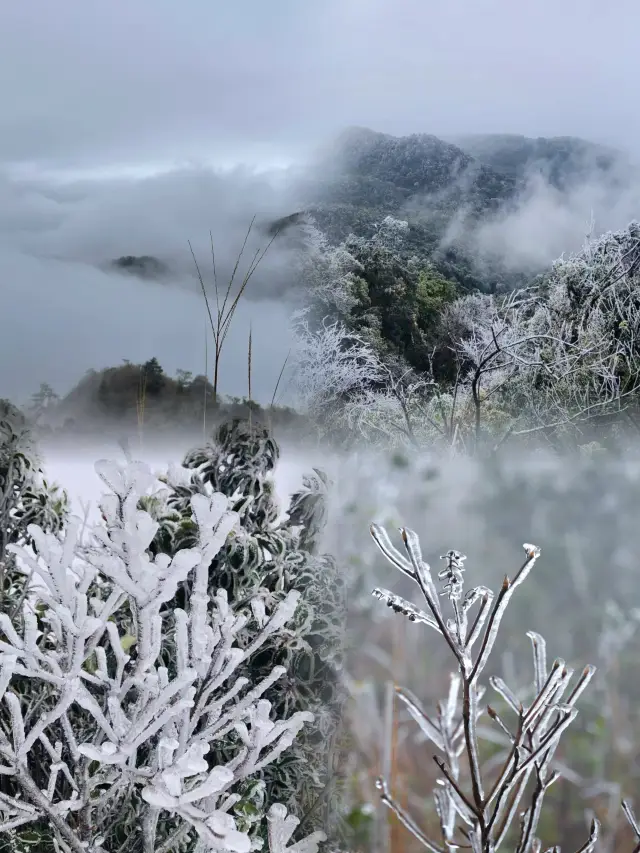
(480, 814)
(627, 808)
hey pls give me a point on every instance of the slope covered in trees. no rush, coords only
(365, 176)
(557, 361)
(445, 191)
(562, 160)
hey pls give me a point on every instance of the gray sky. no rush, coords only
(107, 80)
(112, 90)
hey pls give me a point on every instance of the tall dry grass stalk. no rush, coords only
(249, 374)
(141, 404)
(206, 374)
(275, 390)
(226, 308)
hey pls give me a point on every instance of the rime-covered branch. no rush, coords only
(135, 700)
(474, 811)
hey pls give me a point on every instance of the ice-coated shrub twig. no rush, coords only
(115, 719)
(633, 821)
(480, 811)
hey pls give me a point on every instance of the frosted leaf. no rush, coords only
(166, 750)
(243, 733)
(214, 520)
(108, 753)
(221, 822)
(258, 609)
(220, 839)
(193, 761)
(285, 611)
(145, 527)
(280, 829)
(159, 799)
(166, 797)
(122, 480)
(177, 476)
(178, 571)
(8, 664)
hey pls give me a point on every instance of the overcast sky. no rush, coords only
(104, 80)
(108, 89)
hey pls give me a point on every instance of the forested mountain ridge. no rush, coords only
(444, 191)
(366, 166)
(364, 176)
(563, 161)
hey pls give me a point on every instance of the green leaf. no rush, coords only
(246, 809)
(127, 642)
(30, 836)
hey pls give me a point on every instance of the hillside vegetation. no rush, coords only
(444, 190)
(145, 399)
(385, 250)
(563, 161)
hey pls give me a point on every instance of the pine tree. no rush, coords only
(154, 376)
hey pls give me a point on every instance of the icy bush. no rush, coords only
(267, 557)
(25, 495)
(110, 747)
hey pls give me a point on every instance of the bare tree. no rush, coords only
(560, 354)
(329, 367)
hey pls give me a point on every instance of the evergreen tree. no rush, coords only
(154, 376)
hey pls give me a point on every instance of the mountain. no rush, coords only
(444, 189)
(372, 175)
(364, 176)
(564, 161)
(142, 266)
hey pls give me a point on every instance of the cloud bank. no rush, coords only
(65, 310)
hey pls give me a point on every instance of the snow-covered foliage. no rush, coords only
(326, 272)
(25, 495)
(267, 557)
(392, 232)
(137, 732)
(329, 367)
(558, 354)
(479, 811)
(539, 363)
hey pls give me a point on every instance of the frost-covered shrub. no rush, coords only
(559, 359)
(25, 495)
(264, 560)
(122, 746)
(582, 597)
